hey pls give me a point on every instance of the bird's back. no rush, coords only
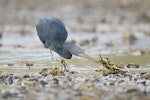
(50, 31)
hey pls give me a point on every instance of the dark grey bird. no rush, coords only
(53, 34)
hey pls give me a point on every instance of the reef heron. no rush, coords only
(53, 34)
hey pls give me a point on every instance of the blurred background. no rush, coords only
(24, 12)
(94, 24)
(116, 29)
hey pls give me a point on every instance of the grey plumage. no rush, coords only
(51, 30)
(53, 34)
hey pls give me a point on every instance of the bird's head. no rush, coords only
(75, 50)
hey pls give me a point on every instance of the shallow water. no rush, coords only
(16, 62)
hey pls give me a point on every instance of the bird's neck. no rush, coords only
(73, 49)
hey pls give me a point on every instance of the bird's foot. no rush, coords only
(64, 65)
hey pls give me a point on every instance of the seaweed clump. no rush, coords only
(111, 68)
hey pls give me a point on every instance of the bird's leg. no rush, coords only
(51, 55)
(64, 65)
(52, 58)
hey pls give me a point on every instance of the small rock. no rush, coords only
(106, 72)
(132, 90)
(112, 83)
(142, 52)
(73, 41)
(146, 76)
(73, 72)
(25, 84)
(10, 64)
(60, 73)
(45, 72)
(84, 42)
(43, 83)
(129, 37)
(94, 39)
(55, 81)
(133, 66)
(26, 76)
(29, 64)
(143, 73)
(109, 44)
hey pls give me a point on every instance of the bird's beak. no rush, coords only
(87, 57)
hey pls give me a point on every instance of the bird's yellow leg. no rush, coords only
(64, 65)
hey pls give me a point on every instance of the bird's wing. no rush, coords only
(43, 35)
